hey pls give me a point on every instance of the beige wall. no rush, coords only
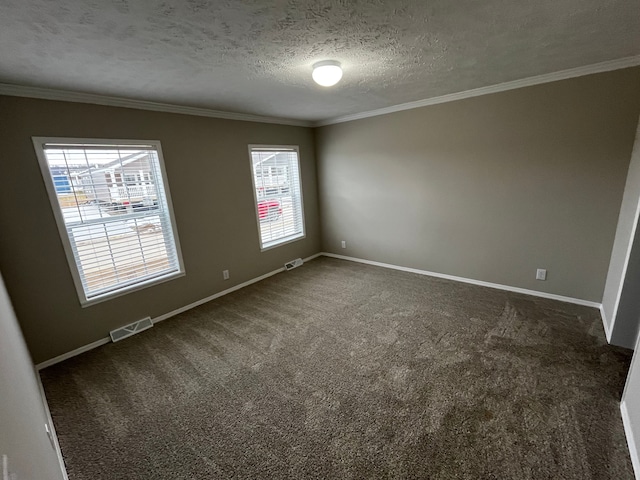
(488, 188)
(209, 177)
(23, 438)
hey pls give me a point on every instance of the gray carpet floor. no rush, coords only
(338, 370)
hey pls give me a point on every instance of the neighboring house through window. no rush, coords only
(113, 209)
(278, 194)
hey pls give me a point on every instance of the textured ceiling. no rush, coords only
(255, 56)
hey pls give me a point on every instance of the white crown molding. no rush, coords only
(501, 87)
(68, 96)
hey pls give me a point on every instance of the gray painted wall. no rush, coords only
(620, 304)
(209, 177)
(22, 416)
(488, 188)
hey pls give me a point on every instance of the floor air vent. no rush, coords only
(293, 264)
(131, 329)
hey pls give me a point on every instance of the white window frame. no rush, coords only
(39, 143)
(290, 238)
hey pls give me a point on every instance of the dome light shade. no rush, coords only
(327, 73)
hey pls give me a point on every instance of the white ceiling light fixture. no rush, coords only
(327, 73)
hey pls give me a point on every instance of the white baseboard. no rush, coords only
(73, 353)
(52, 428)
(214, 296)
(607, 325)
(623, 409)
(225, 292)
(631, 443)
(481, 283)
(173, 313)
(105, 340)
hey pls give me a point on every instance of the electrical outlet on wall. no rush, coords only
(344, 244)
(225, 274)
(541, 274)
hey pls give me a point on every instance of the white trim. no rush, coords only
(73, 353)
(481, 283)
(501, 87)
(606, 324)
(631, 443)
(155, 145)
(78, 97)
(52, 427)
(634, 360)
(625, 265)
(173, 313)
(215, 295)
(225, 292)
(277, 149)
(626, 421)
(103, 341)
(282, 241)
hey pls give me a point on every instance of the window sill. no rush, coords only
(284, 241)
(131, 288)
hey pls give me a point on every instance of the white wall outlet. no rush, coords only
(225, 274)
(344, 244)
(541, 274)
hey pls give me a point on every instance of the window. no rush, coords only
(118, 231)
(278, 194)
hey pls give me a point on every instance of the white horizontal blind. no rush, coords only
(113, 205)
(278, 194)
